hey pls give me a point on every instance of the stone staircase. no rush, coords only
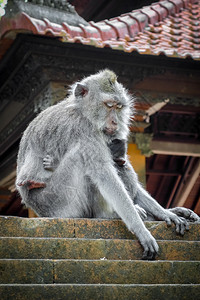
(43, 258)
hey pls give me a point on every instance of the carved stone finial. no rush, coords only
(143, 141)
(56, 11)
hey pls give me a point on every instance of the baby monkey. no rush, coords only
(117, 148)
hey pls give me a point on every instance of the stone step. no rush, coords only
(98, 272)
(87, 228)
(73, 248)
(100, 291)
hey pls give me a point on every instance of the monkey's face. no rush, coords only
(113, 109)
(105, 103)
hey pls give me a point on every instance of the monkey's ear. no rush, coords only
(80, 90)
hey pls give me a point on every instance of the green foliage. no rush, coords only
(2, 5)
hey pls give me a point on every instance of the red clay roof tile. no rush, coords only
(133, 24)
(161, 11)
(106, 31)
(153, 16)
(141, 18)
(169, 6)
(170, 27)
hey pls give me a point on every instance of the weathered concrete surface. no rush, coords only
(99, 271)
(26, 271)
(95, 259)
(87, 228)
(109, 229)
(99, 292)
(126, 272)
(36, 227)
(72, 248)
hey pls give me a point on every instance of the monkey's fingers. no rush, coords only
(193, 217)
(48, 163)
(148, 255)
(186, 213)
(168, 221)
(143, 215)
(181, 225)
(141, 212)
(150, 248)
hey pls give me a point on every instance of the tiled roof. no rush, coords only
(170, 27)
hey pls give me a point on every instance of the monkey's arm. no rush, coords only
(104, 176)
(144, 200)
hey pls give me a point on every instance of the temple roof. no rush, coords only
(166, 27)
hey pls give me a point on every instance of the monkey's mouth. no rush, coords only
(109, 131)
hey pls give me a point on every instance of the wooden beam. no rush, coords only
(188, 186)
(9, 180)
(172, 148)
(197, 207)
(162, 172)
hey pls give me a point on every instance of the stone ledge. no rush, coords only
(87, 228)
(98, 271)
(72, 248)
(99, 292)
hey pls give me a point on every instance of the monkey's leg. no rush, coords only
(30, 175)
(154, 208)
(128, 176)
(65, 194)
(30, 171)
(151, 206)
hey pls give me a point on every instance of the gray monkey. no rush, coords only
(66, 169)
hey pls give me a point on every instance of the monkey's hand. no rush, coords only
(180, 223)
(142, 213)
(186, 213)
(149, 244)
(48, 163)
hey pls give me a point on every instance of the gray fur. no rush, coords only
(84, 181)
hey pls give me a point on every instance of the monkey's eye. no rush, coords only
(119, 105)
(108, 104)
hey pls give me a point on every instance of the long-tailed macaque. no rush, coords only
(65, 167)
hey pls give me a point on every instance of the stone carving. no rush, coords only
(43, 101)
(56, 11)
(143, 141)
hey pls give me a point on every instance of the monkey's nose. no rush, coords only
(114, 122)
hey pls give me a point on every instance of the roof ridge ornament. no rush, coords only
(56, 11)
(59, 4)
